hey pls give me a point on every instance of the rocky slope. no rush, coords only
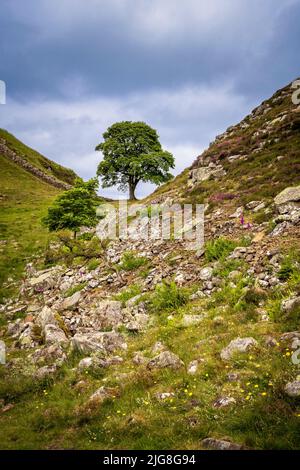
(147, 344)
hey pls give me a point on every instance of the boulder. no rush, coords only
(100, 395)
(193, 367)
(222, 402)
(44, 280)
(206, 274)
(220, 444)
(54, 335)
(69, 303)
(166, 359)
(94, 341)
(291, 194)
(290, 304)
(46, 317)
(49, 354)
(292, 389)
(109, 314)
(238, 345)
(44, 372)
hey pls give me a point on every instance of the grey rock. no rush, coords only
(100, 395)
(45, 371)
(166, 359)
(290, 304)
(238, 345)
(290, 194)
(292, 389)
(193, 367)
(69, 303)
(54, 335)
(206, 274)
(46, 317)
(92, 341)
(222, 402)
(220, 444)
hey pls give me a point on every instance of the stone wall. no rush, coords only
(22, 162)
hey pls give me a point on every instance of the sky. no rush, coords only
(188, 68)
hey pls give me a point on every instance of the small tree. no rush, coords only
(74, 208)
(132, 153)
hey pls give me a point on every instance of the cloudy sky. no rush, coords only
(188, 68)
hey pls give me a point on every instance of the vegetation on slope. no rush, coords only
(36, 159)
(24, 201)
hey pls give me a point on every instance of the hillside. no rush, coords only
(24, 200)
(254, 159)
(147, 344)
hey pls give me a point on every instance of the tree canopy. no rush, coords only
(132, 153)
(74, 208)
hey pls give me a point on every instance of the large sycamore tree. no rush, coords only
(132, 153)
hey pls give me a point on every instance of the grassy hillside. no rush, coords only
(24, 200)
(36, 159)
(268, 140)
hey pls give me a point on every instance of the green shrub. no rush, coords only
(93, 264)
(219, 249)
(169, 296)
(129, 293)
(287, 269)
(74, 289)
(131, 261)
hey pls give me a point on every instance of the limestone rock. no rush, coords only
(206, 274)
(166, 359)
(46, 371)
(292, 389)
(92, 341)
(238, 345)
(219, 444)
(100, 395)
(193, 367)
(222, 402)
(291, 194)
(54, 335)
(46, 317)
(290, 304)
(69, 303)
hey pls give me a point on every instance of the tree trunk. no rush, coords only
(75, 235)
(132, 187)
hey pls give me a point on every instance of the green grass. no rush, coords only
(36, 159)
(131, 261)
(129, 293)
(219, 249)
(55, 414)
(75, 289)
(24, 202)
(168, 296)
